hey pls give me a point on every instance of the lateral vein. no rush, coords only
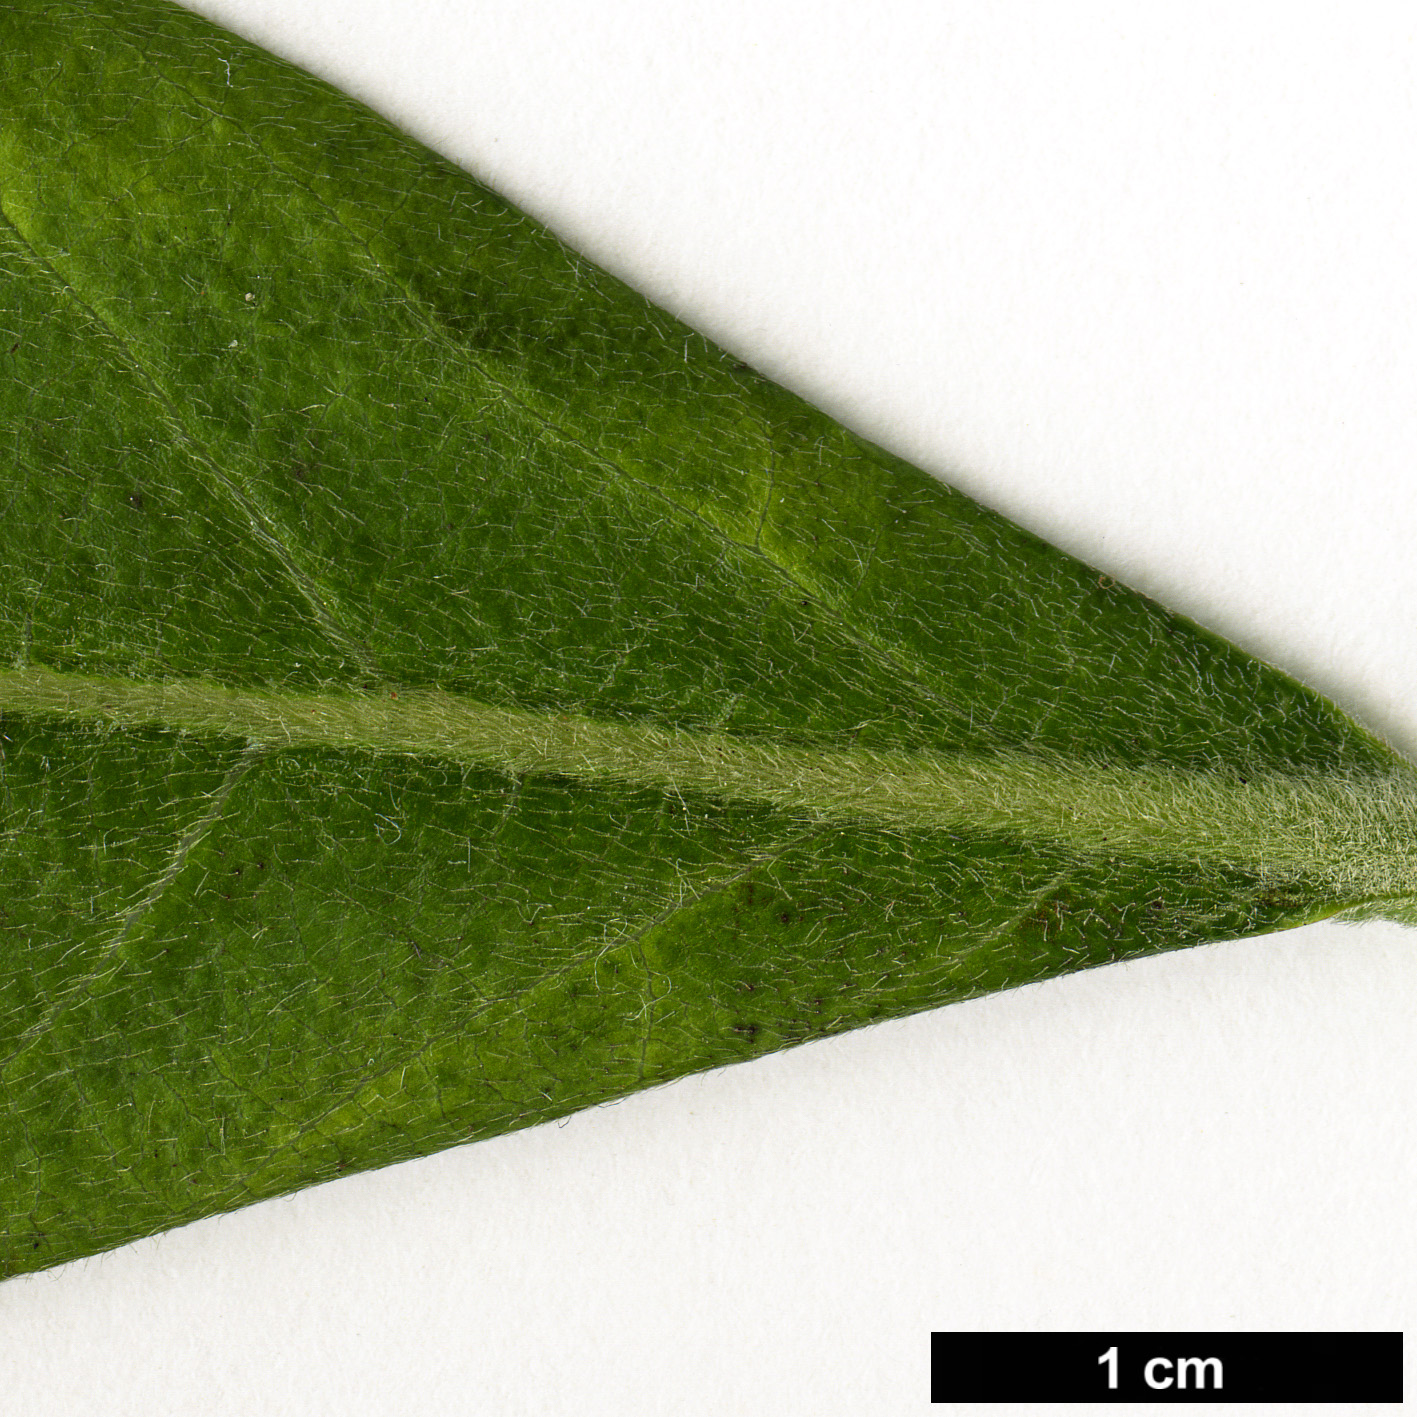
(262, 526)
(104, 961)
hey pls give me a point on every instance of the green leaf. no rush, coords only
(444, 692)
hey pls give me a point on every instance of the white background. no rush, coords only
(1142, 278)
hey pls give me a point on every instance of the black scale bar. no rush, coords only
(1166, 1367)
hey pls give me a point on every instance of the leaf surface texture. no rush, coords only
(440, 691)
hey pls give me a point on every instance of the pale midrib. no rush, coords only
(1355, 833)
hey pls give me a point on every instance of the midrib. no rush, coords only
(1353, 832)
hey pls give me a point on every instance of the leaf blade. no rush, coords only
(572, 546)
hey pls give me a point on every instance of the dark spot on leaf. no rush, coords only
(135, 500)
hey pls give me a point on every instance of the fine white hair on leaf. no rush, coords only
(1354, 833)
